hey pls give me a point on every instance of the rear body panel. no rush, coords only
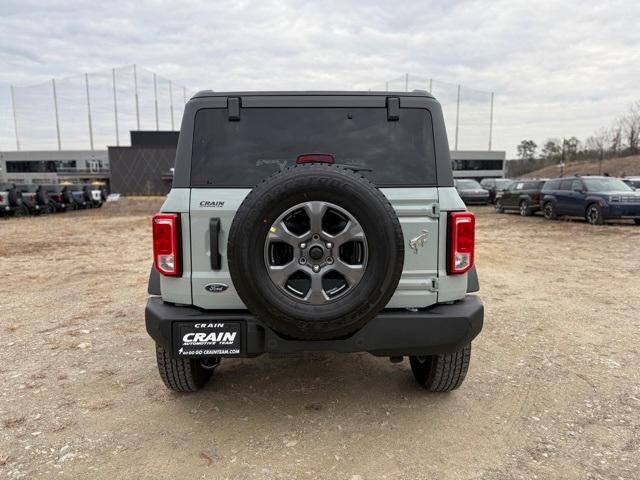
(422, 210)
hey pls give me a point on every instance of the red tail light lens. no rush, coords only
(166, 244)
(315, 158)
(462, 226)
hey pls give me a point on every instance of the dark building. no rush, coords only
(144, 168)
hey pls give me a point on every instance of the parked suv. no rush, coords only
(36, 198)
(523, 196)
(11, 203)
(313, 221)
(595, 198)
(60, 197)
(495, 186)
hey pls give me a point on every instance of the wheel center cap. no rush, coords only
(316, 253)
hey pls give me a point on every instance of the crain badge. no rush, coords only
(216, 287)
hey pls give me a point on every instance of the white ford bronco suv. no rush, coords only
(301, 221)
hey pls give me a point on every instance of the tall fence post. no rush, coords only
(491, 122)
(86, 82)
(15, 117)
(430, 85)
(135, 86)
(386, 85)
(115, 105)
(55, 110)
(406, 82)
(171, 104)
(457, 118)
(155, 100)
(184, 94)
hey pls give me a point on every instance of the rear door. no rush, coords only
(231, 154)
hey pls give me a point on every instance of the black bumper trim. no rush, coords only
(438, 329)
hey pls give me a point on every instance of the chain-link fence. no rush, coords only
(468, 113)
(89, 111)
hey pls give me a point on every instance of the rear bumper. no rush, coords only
(434, 330)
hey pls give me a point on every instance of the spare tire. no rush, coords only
(15, 197)
(42, 197)
(315, 251)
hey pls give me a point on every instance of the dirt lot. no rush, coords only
(553, 390)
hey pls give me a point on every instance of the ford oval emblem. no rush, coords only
(216, 287)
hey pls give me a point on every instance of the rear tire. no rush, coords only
(21, 211)
(181, 374)
(441, 373)
(549, 211)
(637, 221)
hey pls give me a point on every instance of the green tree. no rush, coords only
(552, 149)
(527, 149)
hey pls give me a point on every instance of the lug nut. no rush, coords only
(329, 260)
(302, 261)
(329, 245)
(303, 245)
(316, 268)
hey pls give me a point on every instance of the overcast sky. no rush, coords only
(559, 68)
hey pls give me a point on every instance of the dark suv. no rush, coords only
(523, 196)
(595, 198)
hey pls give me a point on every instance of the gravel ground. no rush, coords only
(553, 390)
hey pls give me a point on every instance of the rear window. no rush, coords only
(534, 185)
(265, 140)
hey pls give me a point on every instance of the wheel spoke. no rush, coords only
(316, 295)
(351, 273)
(315, 211)
(352, 231)
(281, 273)
(280, 233)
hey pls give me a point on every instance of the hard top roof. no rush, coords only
(414, 93)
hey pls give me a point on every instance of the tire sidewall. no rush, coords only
(549, 211)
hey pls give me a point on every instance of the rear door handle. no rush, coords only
(214, 233)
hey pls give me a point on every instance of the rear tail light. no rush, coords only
(315, 158)
(462, 227)
(166, 244)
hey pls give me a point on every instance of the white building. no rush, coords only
(54, 166)
(478, 164)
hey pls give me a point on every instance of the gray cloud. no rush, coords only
(558, 68)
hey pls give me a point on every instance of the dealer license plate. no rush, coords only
(207, 339)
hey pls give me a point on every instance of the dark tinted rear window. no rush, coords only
(566, 184)
(534, 185)
(265, 140)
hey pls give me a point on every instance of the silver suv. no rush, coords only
(305, 221)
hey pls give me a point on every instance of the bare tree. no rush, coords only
(631, 128)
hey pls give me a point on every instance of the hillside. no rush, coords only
(617, 167)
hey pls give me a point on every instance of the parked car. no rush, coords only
(523, 196)
(36, 198)
(495, 187)
(633, 182)
(61, 198)
(595, 198)
(471, 192)
(81, 196)
(11, 202)
(310, 253)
